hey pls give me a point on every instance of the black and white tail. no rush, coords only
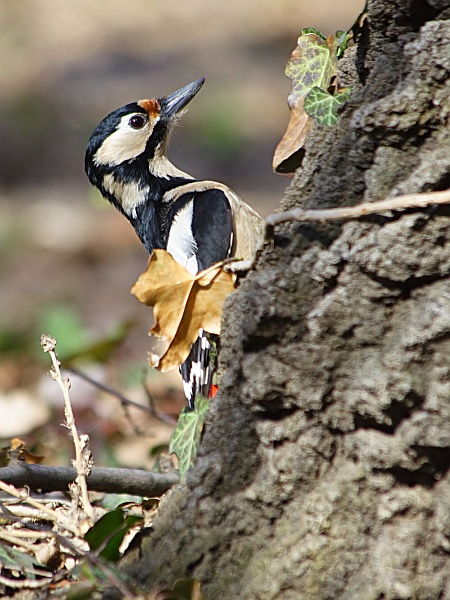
(199, 369)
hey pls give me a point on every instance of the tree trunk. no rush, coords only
(324, 468)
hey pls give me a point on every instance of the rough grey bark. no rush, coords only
(324, 468)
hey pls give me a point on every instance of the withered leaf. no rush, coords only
(17, 450)
(182, 304)
(313, 63)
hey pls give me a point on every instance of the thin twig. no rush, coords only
(107, 571)
(81, 462)
(111, 391)
(52, 514)
(32, 534)
(150, 409)
(360, 210)
(125, 402)
(23, 583)
(151, 403)
(17, 541)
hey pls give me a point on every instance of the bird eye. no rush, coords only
(137, 121)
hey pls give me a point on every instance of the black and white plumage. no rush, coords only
(198, 222)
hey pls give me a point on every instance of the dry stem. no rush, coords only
(360, 210)
(50, 513)
(82, 455)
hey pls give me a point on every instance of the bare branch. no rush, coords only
(107, 480)
(360, 210)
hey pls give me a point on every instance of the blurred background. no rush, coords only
(67, 259)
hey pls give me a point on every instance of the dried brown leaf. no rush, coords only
(289, 152)
(182, 304)
(17, 450)
(165, 285)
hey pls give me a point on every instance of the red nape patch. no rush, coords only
(151, 106)
(213, 391)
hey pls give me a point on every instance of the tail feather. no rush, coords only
(199, 369)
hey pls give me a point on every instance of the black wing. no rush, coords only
(212, 227)
(200, 226)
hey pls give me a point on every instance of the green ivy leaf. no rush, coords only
(186, 437)
(313, 63)
(323, 107)
(104, 528)
(111, 551)
(109, 532)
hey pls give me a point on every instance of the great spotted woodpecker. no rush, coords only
(197, 222)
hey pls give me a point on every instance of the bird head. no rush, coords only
(139, 128)
(128, 147)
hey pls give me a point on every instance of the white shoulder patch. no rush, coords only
(181, 243)
(160, 166)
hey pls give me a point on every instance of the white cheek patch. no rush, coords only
(130, 195)
(124, 144)
(181, 243)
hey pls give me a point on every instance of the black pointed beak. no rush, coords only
(173, 104)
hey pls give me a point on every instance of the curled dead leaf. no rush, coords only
(182, 304)
(289, 152)
(17, 450)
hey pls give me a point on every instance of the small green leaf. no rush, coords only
(25, 562)
(111, 552)
(322, 106)
(187, 434)
(113, 501)
(104, 528)
(343, 38)
(307, 30)
(109, 532)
